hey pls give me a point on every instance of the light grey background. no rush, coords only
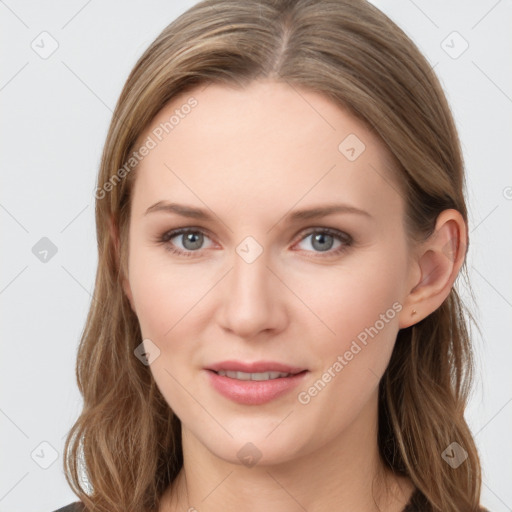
(55, 114)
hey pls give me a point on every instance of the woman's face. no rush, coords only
(255, 281)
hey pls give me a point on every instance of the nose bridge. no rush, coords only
(250, 302)
(249, 282)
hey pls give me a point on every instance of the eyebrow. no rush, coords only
(297, 215)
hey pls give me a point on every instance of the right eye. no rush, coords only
(191, 240)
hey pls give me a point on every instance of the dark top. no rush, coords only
(77, 506)
(417, 503)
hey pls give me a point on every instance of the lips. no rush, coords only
(254, 383)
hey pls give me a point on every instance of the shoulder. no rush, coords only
(77, 506)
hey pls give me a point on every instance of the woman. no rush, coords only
(281, 221)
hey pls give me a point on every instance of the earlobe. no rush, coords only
(439, 260)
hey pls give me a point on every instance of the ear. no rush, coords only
(437, 262)
(114, 233)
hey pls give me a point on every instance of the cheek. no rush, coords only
(362, 308)
(354, 298)
(164, 293)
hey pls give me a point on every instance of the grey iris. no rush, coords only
(195, 239)
(320, 238)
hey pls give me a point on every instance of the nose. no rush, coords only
(252, 299)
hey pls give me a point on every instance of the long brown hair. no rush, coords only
(124, 449)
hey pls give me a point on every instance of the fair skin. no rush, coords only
(251, 158)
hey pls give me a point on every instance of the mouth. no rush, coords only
(254, 383)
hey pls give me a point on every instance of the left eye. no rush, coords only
(323, 240)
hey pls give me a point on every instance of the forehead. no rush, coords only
(265, 147)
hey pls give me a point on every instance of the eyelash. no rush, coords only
(345, 239)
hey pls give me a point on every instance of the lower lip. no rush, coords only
(254, 392)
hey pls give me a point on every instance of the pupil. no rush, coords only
(192, 240)
(320, 237)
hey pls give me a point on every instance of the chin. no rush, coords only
(259, 449)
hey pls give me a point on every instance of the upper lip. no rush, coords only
(254, 367)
